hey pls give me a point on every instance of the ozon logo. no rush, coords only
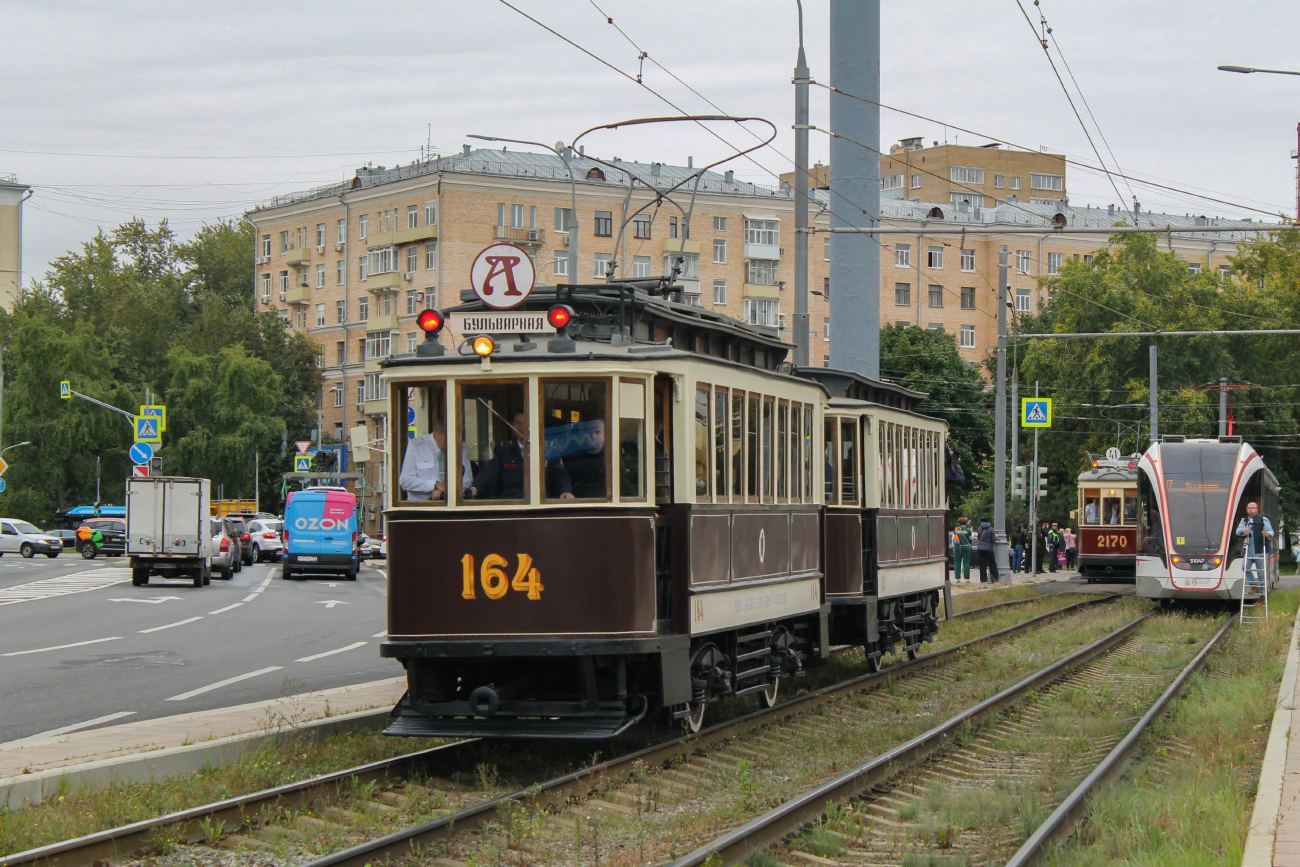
(320, 524)
(502, 276)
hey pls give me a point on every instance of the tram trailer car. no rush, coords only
(1192, 495)
(1106, 519)
(647, 513)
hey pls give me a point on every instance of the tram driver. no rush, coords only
(502, 478)
(1090, 511)
(424, 468)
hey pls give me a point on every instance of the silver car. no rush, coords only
(225, 551)
(20, 537)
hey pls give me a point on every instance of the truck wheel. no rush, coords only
(139, 577)
(207, 577)
(88, 551)
(27, 551)
(198, 578)
(351, 574)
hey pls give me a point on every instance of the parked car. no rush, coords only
(239, 523)
(68, 537)
(233, 532)
(20, 537)
(113, 532)
(366, 546)
(266, 536)
(383, 548)
(225, 551)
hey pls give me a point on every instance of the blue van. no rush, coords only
(320, 533)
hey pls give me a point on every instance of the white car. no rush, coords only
(367, 547)
(20, 537)
(267, 537)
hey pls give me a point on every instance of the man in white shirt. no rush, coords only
(424, 469)
(1090, 512)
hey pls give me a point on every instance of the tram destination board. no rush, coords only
(513, 322)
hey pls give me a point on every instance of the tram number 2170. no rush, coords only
(494, 579)
(1111, 540)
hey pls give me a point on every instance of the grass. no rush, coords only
(1187, 801)
(979, 599)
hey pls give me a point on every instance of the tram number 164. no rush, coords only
(1111, 541)
(496, 582)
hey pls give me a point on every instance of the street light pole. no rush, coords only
(801, 78)
(1295, 154)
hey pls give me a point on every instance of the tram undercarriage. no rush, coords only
(881, 626)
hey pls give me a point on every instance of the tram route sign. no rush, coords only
(490, 322)
(502, 276)
(1035, 412)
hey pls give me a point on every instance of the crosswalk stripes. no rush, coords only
(95, 579)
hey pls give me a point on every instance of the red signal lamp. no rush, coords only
(431, 322)
(559, 317)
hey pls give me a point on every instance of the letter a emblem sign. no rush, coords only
(502, 276)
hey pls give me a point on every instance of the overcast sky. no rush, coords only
(194, 111)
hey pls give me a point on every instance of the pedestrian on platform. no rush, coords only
(1018, 541)
(985, 544)
(1042, 531)
(1071, 547)
(1295, 551)
(1055, 547)
(1257, 530)
(961, 551)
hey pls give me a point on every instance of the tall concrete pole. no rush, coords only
(1223, 406)
(855, 185)
(1000, 424)
(801, 78)
(1155, 400)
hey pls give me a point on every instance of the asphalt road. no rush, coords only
(78, 643)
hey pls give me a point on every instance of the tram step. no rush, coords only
(753, 654)
(747, 690)
(756, 671)
(754, 636)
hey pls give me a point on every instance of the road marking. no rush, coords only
(227, 682)
(227, 608)
(62, 646)
(315, 656)
(251, 596)
(383, 634)
(170, 625)
(63, 585)
(72, 728)
(332, 602)
(156, 601)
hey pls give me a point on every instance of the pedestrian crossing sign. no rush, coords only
(1035, 412)
(302, 463)
(147, 429)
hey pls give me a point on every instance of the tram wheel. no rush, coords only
(873, 661)
(911, 653)
(768, 695)
(694, 720)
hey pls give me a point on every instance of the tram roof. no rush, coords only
(1107, 474)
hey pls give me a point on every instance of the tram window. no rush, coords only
(720, 443)
(738, 445)
(631, 440)
(702, 443)
(885, 499)
(1110, 507)
(808, 452)
(663, 444)
(849, 461)
(1091, 506)
(832, 464)
(1130, 507)
(796, 473)
(768, 407)
(575, 416)
(782, 438)
(494, 436)
(422, 445)
(751, 444)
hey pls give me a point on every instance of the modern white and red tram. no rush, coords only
(1192, 495)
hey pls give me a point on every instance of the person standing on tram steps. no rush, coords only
(961, 550)
(985, 543)
(1257, 530)
(1019, 539)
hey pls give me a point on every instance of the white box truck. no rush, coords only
(167, 528)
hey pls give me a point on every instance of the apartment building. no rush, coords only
(12, 196)
(352, 264)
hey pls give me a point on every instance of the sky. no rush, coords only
(196, 112)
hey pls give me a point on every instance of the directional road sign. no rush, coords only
(65, 390)
(302, 446)
(2, 486)
(301, 464)
(1035, 412)
(4, 465)
(141, 453)
(140, 472)
(158, 410)
(148, 429)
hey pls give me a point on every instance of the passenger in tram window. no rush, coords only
(586, 468)
(1130, 510)
(1090, 511)
(1110, 510)
(424, 468)
(502, 478)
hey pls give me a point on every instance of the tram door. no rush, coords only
(663, 441)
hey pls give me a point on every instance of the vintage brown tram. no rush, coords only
(1107, 516)
(648, 512)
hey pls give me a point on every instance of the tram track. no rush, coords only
(389, 780)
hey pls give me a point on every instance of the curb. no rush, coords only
(18, 791)
(1261, 836)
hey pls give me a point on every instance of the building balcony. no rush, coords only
(527, 237)
(375, 407)
(385, 323)
(374, 365)
(674, 245)
(297, 295)
(412, 236)
(384, 282)
(297, 256)
(762, 251)
(762, 290)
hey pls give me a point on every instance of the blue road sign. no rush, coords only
(302, 464)
(2, 486)
(410, 415)
(141, 453)
(148, 429)
(1035, 412)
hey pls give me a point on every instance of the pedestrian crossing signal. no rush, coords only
(302, 463)
(1036, 412)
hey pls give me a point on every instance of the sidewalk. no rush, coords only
(1274, 836)
(1018, 579)
(100, 745)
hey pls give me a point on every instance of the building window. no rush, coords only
(300, 318)
(903, 294)
(284, 241)
(1054, 262)
(266, 246)
(338, 394)
(361, 267)
(640, 267)
(320, 234)
(1015, 182)
(641, 226)
(365, 226)
(561, 219)
(342, 231)
(363, 309)
(826, 288)
(266, 287)
(687, 264)
(966, 174)
(935, 326)
(1023, 261)
(763, 311)
(891, 182)
(320, 276)
(1224, 270)
(284, 283)
(826, 328)
(430, 213)
(934, 257)
(412, 259)
(430, 256)
(604, 224)
(341, 352)
(1022, 301)
(410, 342)
(339, 277)
(968, 337)
(382, 261)
(968, 260)
(903, 255)
(763, 232)
(414, 301)
(999, 181)
(320, 314)
(720, 251)
(1046, 182)
(672, 227)
(916, 181)
(412, 216)
(378, 344)
(968, 298)
(763, 271)
(1194, 267)
(361, 394)
(1087, 260)
(341, 311)
(1035, 200)
(601, 264)
(719, 291)
(826, 248)
(561, 266)
(936, 296)
(970, 200)
(719, 224)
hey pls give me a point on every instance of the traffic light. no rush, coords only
(1042, 484)
(284, 443)
(1018, 483)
